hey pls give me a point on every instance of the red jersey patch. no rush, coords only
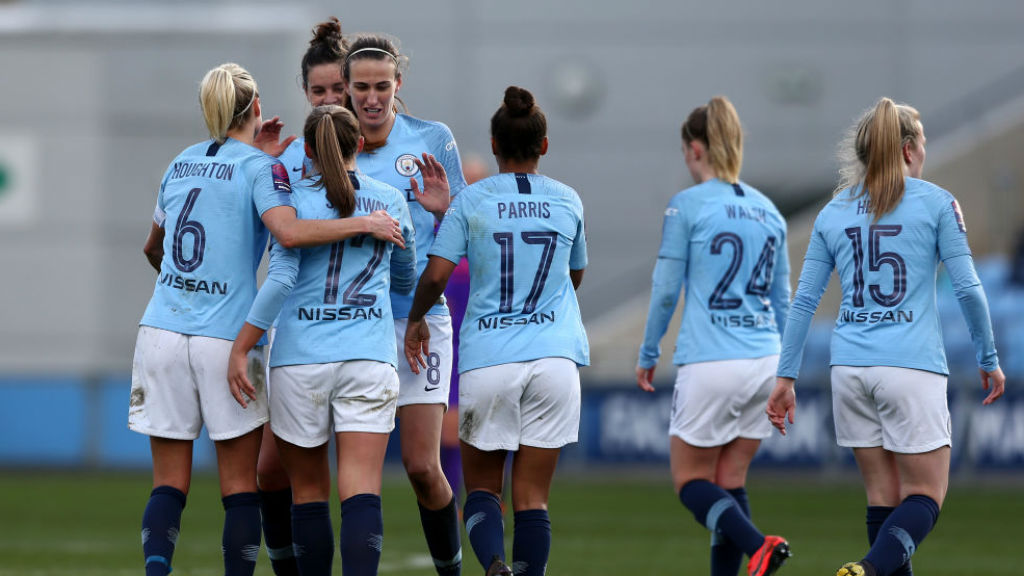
(959, 217)
(280, 175)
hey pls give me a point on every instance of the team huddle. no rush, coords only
(368, 216)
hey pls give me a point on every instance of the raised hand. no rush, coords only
(269, 140)
(435, 196)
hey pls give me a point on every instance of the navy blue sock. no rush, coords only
(726, 557)
(717, 510)
(160, 525)
(313, 538)
(362, 535)
(484, 526)
(241, 541)
(441, 527)
(902, 532)
(276, 513)
(875, 517)
(531, 542)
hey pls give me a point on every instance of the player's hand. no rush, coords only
(994, 382)
(238, 377)
(417, 344)
(382, 226)
(644, 376)
(435, 196)
(269, 140)
(782, 404)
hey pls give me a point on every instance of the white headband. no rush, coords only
(393, 57)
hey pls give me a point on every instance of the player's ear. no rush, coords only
(544, 146)
(359, 146)
(309, 151)
(494, 147)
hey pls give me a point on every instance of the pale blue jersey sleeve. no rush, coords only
(159, 212)
(271, 186)
(955, 254)
(666, 281)
(780, 282)
(282, 273)
(818, 265)
(451, 240)
(403, 260)
(578, 254)
(443, 141)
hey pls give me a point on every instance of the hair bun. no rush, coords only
(328, 31)
(518, 101)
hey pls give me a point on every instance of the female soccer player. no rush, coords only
(220, 195)
(885, 233)
(398, 146)
(333, 357)
(726, 242)
(522, 339)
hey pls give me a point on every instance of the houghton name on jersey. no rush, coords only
(210, 204)
(521, 234)
(394, 163)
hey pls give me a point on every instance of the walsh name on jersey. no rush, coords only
(877, 317)
(737, 212)
(215, 170)
(500, 322)
(193, 284)
(356, 313)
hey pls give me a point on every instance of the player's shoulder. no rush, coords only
(927, 191)
(436, 134)
(370, 186)
(310, 199)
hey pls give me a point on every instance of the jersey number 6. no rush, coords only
(185, 226)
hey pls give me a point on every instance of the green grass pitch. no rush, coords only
(87, 524)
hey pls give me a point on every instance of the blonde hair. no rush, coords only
(226, 94)
(332, 133)
(717, 125)
(871, 154)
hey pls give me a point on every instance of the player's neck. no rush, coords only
(506, 165)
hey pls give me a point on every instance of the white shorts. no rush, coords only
(360, 396)
(900, 409)
(535, 403)
(431, 385)
(180, 382)
(717, 402)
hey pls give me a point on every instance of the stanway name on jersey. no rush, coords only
(369, 205)
(743, 320)
(530, 209)
(898, 316)
(193, 284)
(737, 212)
(215, 170)
(347, 313)
(501, 322)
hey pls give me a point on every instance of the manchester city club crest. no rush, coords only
(406, 165)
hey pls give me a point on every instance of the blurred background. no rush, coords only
(97, 97)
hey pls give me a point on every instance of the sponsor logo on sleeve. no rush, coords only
(280, 176)
(959, 217)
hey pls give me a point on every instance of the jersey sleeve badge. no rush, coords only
(959, 217)
(280, 177)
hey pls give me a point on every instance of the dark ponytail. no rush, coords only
(327, 47)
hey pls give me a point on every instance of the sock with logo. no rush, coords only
(240, 543)
(313, 537)
(362, 535)
(902, 532)
(484, 526)
(161, 522)
(717, 510)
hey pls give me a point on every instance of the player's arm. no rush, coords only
(403, 260)
(292, 232)
(154, 247)
(432, 284)
(780, 291)
(577, 278)
(282, 273)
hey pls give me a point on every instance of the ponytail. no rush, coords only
(725, 140)
(226, 95)
(871, 155)
(333, 135)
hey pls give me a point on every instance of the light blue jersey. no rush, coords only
(336, 304)
(887, 271)
(295, 160)
(521, 234)
(727, 244)
(210, 203)
(393, 163)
